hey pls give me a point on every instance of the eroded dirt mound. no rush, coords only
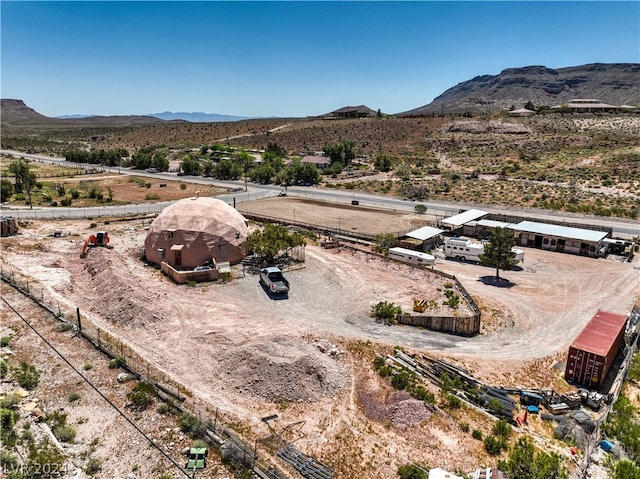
(282, 368)
(399, 408)
(116, 298)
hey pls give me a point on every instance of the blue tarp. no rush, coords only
(533, 409)
(607, 446)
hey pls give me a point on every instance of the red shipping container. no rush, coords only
(594, 350)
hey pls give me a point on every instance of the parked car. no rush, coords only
(152, 170)
(273, 279)
(202, 268)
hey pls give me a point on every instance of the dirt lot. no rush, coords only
(307, 358)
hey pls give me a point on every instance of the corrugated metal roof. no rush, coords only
(424, 233)
(462, 218)
(599, 334)
(494, 224)
(560, 231)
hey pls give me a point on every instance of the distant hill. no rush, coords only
(15, 113)
(197, 117)
(614, 83)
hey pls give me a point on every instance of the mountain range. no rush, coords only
(194, 116)
(613, 83)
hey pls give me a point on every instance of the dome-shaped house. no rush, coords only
(193, 231)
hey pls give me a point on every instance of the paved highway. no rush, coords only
(621, 228)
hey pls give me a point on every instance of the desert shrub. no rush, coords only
(142, 395)
(378, 363)
(402, 380)
(386, 311)
(423, 394)
(65, 202)
(634, 368)
(10, 402)
(87, 366)
(411, 471)
(494, 445)
(57, 421)
(73, 396)
(63, 327)
(192, 425)
(151, 196)
(44, 453)
(453, 402)
(420, 209)
(8, 462)
(93, 466)
(183, 186)
(464, 426)
(502, 429)
(476, 434)
(116, 362)
(64, 433)
(27, 375)
(164, 408)
(4, 341)
(4, 368)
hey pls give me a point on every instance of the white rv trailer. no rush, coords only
(412, 257)
(464, 249)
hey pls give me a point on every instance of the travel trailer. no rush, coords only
(463, 249)
(412, 257)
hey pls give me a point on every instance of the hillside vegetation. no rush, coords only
(582, 163)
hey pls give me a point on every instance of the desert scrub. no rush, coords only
(142, 396)
(27, 375)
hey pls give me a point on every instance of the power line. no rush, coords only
(97, 390)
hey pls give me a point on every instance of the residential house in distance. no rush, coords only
(360, 111)
(590, 105)
(320, 162)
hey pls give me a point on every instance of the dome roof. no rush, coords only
(193, 231)
(203, 215)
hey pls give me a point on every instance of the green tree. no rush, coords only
(228, 170)
(384, 242)
(25, 178)
(498, 252)
(525, 463)
(272, 241)
(343, 151)
(190, 166)
(276, 150)
(383, 162)
(160, 162)
(6, 189)
(411, 471)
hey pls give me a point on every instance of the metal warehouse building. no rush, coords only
(562, 239)
(594, 350)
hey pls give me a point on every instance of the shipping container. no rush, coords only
(595, 349)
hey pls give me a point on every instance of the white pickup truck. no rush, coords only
(273, 279)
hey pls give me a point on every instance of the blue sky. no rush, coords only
(289, 58)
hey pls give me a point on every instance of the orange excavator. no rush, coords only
(101, 238)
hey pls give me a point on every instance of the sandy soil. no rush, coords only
(308, 357)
